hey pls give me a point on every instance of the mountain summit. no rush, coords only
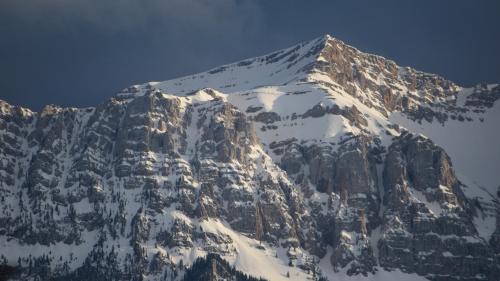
(313, 162)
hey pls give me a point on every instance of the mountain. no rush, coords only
(316, 161)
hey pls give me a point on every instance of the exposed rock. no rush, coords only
(151, 177)
(267, 117)
(427, 227)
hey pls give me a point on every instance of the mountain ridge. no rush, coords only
(311, 156)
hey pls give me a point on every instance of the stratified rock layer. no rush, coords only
(300, 168)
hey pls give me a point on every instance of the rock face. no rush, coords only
(435, 234)
(135, 163)
(359, 74)
(292, 159)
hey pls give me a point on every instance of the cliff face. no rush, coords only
(294, 163)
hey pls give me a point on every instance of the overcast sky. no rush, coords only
(80, 52)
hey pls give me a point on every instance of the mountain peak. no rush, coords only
(327, 62)
(309, 159)
(329, 39)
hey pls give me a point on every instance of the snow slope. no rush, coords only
(317, 94)
(283, 83)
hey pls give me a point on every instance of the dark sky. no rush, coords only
(79, 52)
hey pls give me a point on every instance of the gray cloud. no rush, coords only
(126, 15)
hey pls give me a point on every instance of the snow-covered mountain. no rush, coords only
(317, 161)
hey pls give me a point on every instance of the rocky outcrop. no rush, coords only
(483, 96)
(427, 227)
(347, 174)
(132, 160)
(358, 73)
(140, 186)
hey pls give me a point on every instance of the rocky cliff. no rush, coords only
(304, 163)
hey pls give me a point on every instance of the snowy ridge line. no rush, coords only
(316, 158)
